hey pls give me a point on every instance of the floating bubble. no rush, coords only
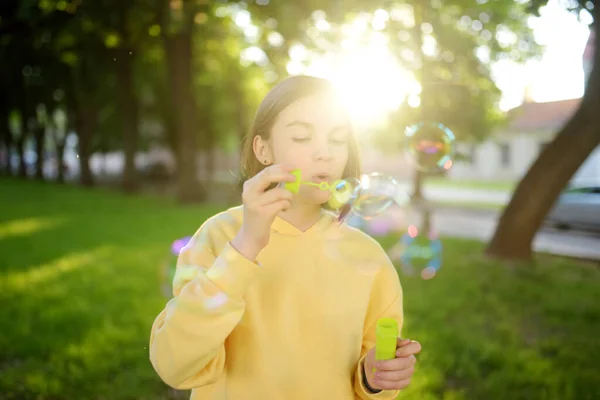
(418, 253)
(170, 266)
(380, 227)
(366, 198)
(430, 146)
(179, 244)
(376, 193)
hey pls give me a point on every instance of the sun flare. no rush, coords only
(370, 79)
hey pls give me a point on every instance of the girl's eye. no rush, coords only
(300, 139)
(339, 141)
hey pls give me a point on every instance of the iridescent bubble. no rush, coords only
(380, 227)
(170, 266)
(366, 198)
(179, 244)
(430, 146)
(377, 192)
(418, 253)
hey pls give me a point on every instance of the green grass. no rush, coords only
(80, 288)
(503, 186)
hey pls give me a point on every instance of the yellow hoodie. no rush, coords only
(294, 325)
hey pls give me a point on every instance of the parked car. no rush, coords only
(577, 207)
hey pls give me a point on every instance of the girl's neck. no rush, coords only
(302, 216)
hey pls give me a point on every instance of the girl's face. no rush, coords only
(311, 134)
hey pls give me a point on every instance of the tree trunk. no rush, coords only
(417, 194)
(85, 122)
(60, 153)
(39, 134)
(547, 177)
(178, 48)
(5, 136)
(128, 103)
(20, 144)
(420, 16)
(167, 114)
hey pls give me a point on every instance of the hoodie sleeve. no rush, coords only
(187, 338)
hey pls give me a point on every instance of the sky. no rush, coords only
(559, 74)
(372, 81)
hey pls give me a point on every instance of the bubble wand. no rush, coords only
(341, 190)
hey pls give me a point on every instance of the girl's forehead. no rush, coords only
(319, 109)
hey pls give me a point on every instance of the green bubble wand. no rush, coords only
(341, 190)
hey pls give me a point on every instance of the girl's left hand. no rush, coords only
(396, 373)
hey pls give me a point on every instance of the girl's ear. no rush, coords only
(262, 150)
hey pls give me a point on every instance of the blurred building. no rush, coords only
(510, 153)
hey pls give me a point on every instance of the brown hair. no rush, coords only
(280, 97)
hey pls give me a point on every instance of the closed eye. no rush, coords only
(339, 141)
(301, 139)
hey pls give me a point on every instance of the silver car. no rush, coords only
(577, 207)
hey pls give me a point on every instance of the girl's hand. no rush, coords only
(260, 208)
(396, 373)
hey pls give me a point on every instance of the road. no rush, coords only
(480, 224)
(461, 194)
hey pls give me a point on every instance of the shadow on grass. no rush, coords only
(79, 297)
(41, 223)
(80, 288)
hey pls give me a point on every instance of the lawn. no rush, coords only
(80, 287)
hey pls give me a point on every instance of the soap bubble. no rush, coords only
(366, 198)
(170, 266)
(418, 253)
(430, 146)
(377, 192)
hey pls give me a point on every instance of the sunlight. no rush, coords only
(371, 83)
(26, 278)
(369, 77)
(27, 226)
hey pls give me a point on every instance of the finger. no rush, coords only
(412, 348)
(280, 205)
(396, 363)
(392, 385)
(402, 342)
(396, 375)
(273, 195)
(273, 174)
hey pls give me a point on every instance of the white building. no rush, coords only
(511, 151)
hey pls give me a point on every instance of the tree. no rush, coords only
(177, 25)
(463, 39)
(549, 174)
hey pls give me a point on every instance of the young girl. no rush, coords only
(274, 299)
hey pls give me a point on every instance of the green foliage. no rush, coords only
(81, 285)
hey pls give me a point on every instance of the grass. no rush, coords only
(80, 287)
(502, 186)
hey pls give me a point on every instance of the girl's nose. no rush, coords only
(323, 153)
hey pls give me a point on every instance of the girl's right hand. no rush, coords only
(261, 207)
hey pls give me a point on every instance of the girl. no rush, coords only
(274, 299)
